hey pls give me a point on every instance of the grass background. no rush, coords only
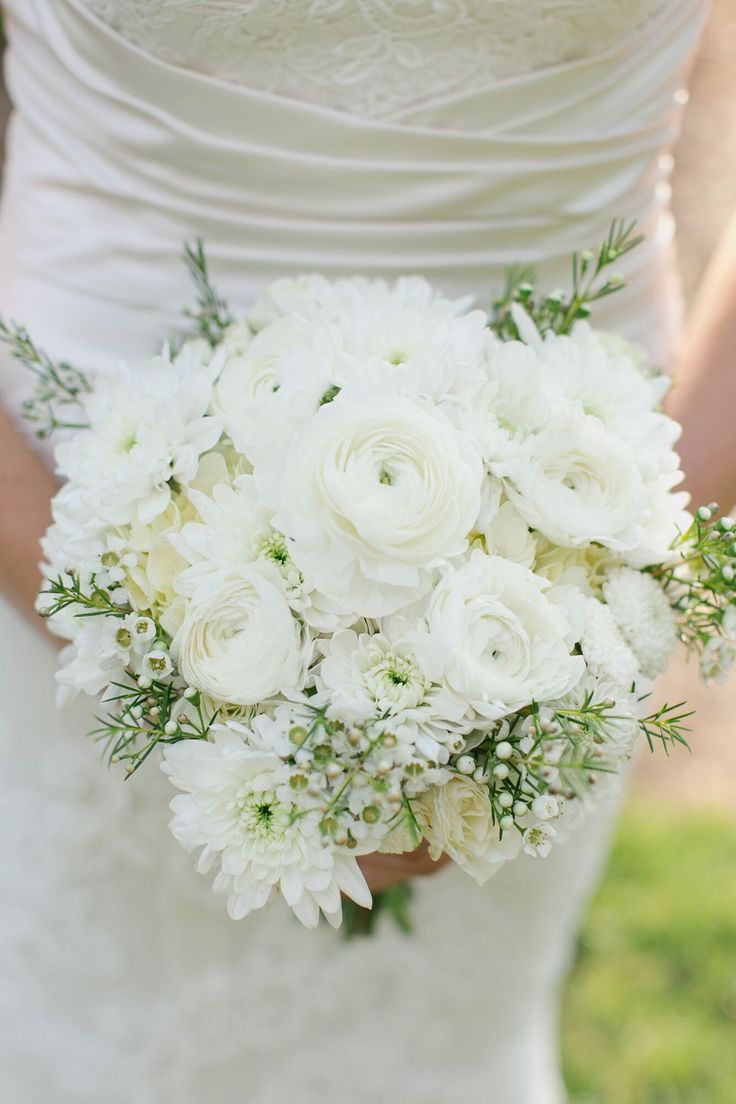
(650, 1014)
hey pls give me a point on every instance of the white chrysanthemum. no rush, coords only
(235, 529)
(643, 613)
(236, 805)
(311, 295)
(496, 639)
(457, 820)
(238, 640)
(365, 677)
(375, 493)
(606, 652)
(416, 349)
(524, 402)
(148, 427)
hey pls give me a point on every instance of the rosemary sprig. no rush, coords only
(558, 311)
(666, 726)
(95, 602)
(212, 316)
(146, 716)
(59, 386)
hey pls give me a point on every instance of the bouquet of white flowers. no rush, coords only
(369, 568)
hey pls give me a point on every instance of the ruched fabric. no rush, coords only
(116, 157)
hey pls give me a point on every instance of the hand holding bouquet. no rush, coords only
(369, 568)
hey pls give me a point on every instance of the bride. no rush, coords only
(446, 137)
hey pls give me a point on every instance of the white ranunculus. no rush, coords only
(267, 391)
(495, 639)
(507, 534)
(238, 640)
(576, 483)
(456, 820)
(585, 567)
(374, 494)
(236, 806)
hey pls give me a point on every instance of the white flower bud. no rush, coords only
(545, 807)
(466, 764)
(504, 750)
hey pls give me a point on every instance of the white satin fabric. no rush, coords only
(121, 980)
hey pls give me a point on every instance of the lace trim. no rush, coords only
(371, 58)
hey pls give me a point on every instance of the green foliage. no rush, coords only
(558, 311)
(56, 402)
(212, 316)
(650, 1013)
(394, 902)
(701, 582)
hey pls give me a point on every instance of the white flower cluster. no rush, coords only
(372, 575)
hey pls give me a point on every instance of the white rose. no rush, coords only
(375, 493)
(238, 641)
(496, 639)
(576, 483)
(456, 820)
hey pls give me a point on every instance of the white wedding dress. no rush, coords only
(448, 137)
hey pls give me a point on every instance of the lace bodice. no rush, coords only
(371, 58)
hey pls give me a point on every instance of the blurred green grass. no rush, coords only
(650, 1011)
